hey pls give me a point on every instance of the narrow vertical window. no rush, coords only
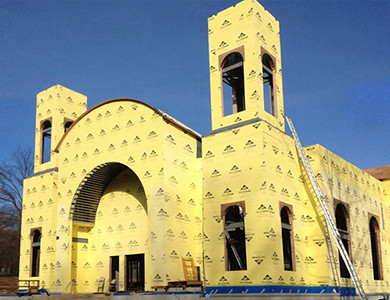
(46, 141)
(36, 253)
(268, 84)
(342, 223)
(233, 83)
(375, 249)
(235, 248)
(67, 125)
(287, 238)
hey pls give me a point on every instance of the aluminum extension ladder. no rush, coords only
(328, 218)
(233, 247)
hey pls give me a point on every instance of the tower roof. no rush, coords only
(380, 173)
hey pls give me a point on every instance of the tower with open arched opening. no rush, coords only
(125, 192)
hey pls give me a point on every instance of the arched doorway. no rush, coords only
(110, 229)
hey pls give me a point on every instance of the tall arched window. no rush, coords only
(287, 239)
(67, 125)
(46, 141)
(234, 228)
(375, 249)
(268, 84)
(342, 223)
(233, 83)
(36, 253)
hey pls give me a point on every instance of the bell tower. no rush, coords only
(57, 108)
(245, 66)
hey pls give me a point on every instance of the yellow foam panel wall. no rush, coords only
(364, 196)
(258, 164)
(153, 207)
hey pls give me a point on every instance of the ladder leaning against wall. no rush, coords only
(328, 218)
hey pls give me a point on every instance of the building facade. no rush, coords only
(123, 190)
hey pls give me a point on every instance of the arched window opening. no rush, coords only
(235, 248)
(342, 223)
(287, 238)
(233, 83)
(268, 84)
(46, 141)
(36, 253)
(375, 249)
(67, 125)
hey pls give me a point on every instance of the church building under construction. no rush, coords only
(124, 191)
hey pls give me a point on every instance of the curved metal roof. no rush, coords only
(166, 117)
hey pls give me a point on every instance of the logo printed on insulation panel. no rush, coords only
(244, 189)
(209, 154)
(270, 234)
(227, 192)
(245, 279)
(249, 237)
(209, 195)
(188, 148)
(309, 260)
(267, 278)
(249, 144)
(215, 173)
(173, 179)
(225, 23)
(170, 138)
(158, 278)
(223, 44)
(242, 36)
(258, 259)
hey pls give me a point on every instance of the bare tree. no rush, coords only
(12, 174)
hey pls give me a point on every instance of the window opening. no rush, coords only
(234, 228)
(46, 141)
(36, 253)
(67, 125)
(233, 83)
(375, 248)
(268, 84)
(342, 223)
(227, 100)
(285, 216)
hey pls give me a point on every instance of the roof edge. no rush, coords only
(380, 173)
(165, 116)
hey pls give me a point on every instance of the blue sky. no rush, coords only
(335, 56)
